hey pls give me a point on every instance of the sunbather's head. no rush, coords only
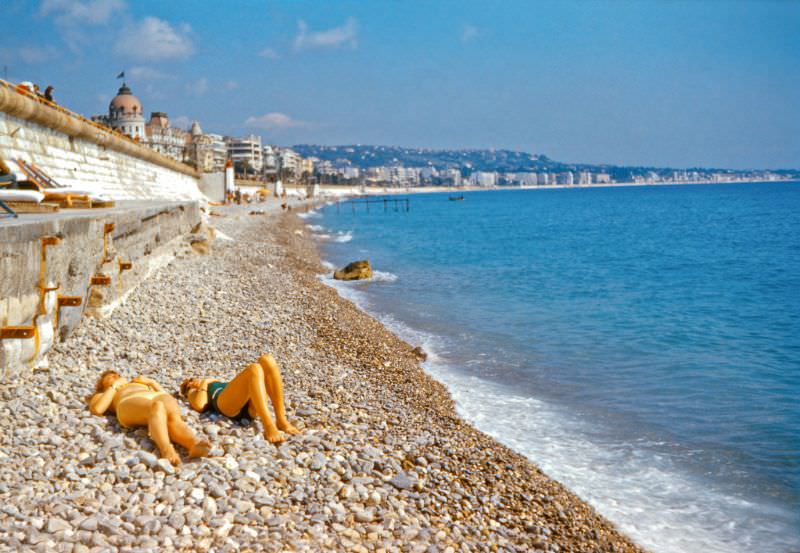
(189, 384)
(106, 379)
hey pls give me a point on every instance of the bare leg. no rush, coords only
(249, 386)
(181, 434)
(274, 383)
(157, 425)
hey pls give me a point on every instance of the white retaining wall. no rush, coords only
(75, 162)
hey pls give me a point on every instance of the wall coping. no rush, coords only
(23, 104)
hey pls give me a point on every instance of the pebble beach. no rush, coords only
(383, 462)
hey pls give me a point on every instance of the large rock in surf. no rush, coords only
(356, 270)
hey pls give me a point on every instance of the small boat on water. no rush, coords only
(456, 198)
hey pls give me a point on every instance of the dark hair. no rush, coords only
(185, 387)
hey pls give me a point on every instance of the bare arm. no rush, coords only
(99, 403)
(148, 382)
(198, 397)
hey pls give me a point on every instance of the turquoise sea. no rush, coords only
(640, 344)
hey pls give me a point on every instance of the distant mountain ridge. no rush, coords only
(472, 160)
(364, 157)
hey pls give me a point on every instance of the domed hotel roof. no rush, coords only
(125, 102)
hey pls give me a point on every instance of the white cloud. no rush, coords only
(468, 33)
(343, 36)
(72, 17)
(269, 53)
(274, 121)
(154, 91)
(146, 73)
(198, 88)
(154, 39)
(28, 54)
(181, 122)
(88, 12)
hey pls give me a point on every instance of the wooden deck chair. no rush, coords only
(52, 190)
(24, 177)
(7, 179)
(7, 176)
(7, 211)
(31, 175)
(44, 177)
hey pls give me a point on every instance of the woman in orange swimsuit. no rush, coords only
(245, 397)
(143, 402)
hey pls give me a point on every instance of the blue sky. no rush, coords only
(666, 83)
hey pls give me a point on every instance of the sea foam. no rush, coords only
(614, 477)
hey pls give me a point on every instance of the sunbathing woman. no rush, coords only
(245, 396)
(143, 402)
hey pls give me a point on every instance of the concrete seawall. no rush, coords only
(79, 153)
(55, 269)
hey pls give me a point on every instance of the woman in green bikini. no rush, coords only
(245, 397)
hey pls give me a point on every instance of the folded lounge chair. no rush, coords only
(53, 191)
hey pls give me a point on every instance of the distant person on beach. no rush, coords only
(48, 94)
(245, 397)
(143, 402)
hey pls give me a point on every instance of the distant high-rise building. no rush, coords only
(270, 160)
(246, 153)
(453, 177)
(483, 178)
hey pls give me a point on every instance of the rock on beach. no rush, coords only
(383, 463)
(357, 270)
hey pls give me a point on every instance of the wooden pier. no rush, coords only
(398, 204)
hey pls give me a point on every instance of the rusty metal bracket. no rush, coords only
(45, 241)
(108, 228)
(125, 265)
(65, 301)
(17, 332)
(69, 301)
(43, 288)
(101, 280)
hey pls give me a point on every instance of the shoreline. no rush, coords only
(386, 465)
(436, 398)
(351, 190)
